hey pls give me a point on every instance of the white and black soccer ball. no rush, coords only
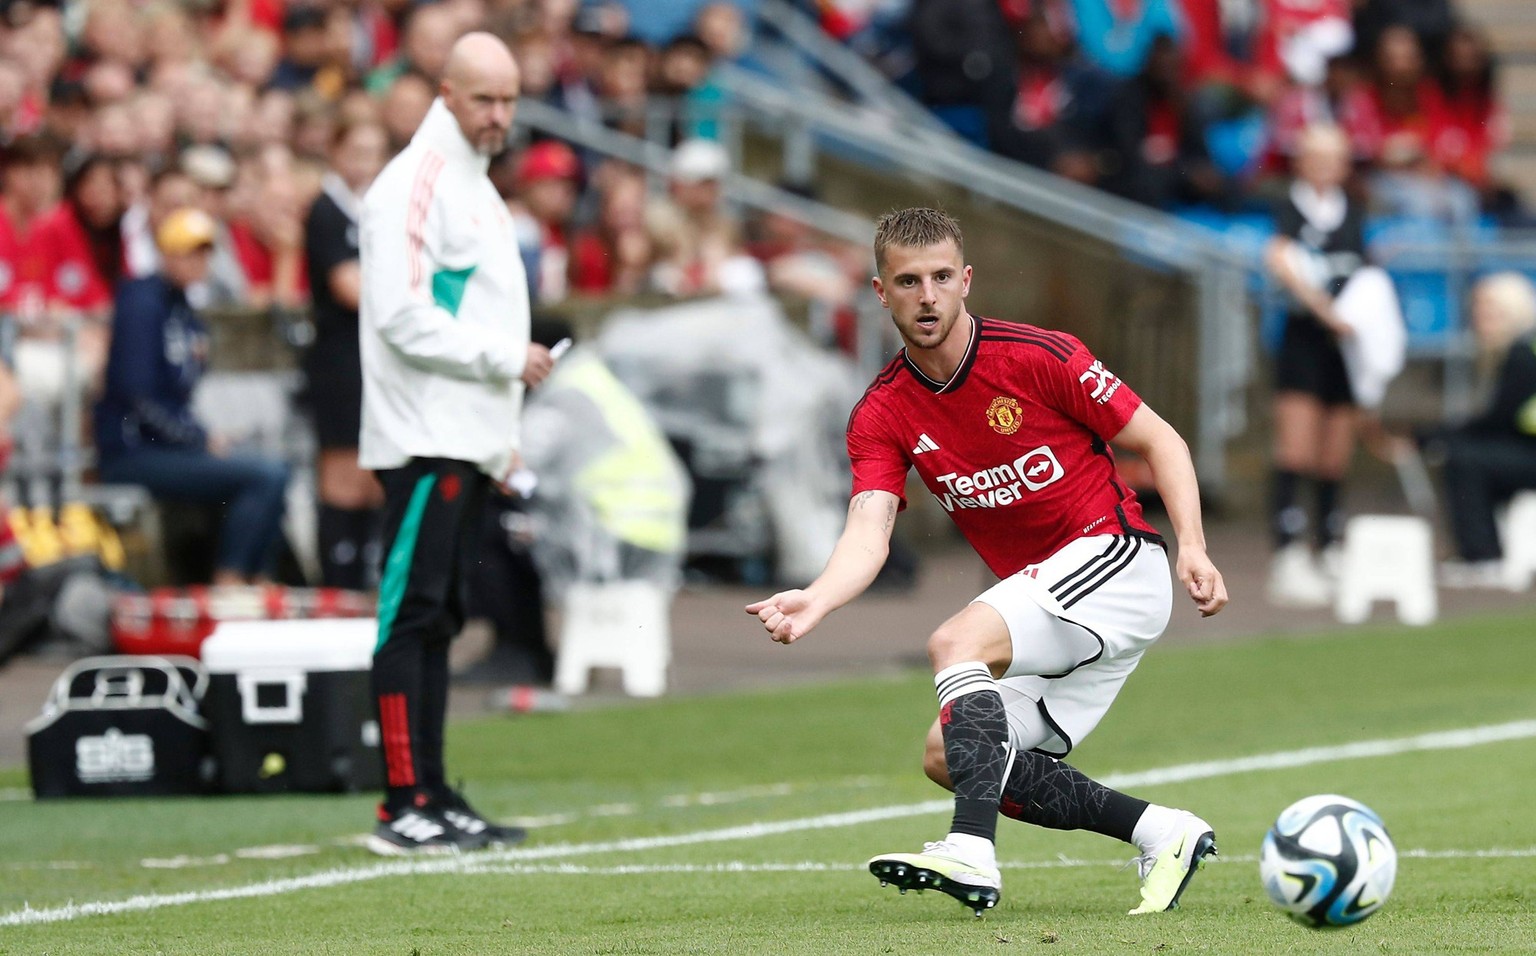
(1328, 861)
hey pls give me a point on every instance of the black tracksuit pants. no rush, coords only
(432, 527)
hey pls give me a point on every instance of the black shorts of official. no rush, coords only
(1310, 362)
(333, 390)
(432, 511)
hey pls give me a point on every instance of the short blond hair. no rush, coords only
(1512, 297)
(915, 227)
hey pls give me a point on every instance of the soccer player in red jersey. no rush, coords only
(1009, 427)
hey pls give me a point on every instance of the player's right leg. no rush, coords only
(967, 651)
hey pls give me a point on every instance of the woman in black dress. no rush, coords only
(349, 496)
(1319, 244)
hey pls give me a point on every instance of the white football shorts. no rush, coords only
(1080, 621)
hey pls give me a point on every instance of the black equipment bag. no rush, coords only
(122, 726)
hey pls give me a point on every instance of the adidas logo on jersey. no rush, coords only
(924, 444)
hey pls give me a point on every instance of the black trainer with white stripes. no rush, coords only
(457, 811)
(421, 830)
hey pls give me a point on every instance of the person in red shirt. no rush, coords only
(29, 188)
(79, 245)
(1009, 426)
(612, 256)
(548, 184)
(1411, 179)
(1474, 124)
(82, 239)
(1157, 137)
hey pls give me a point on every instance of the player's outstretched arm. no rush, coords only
(1173, 472)
(858, 557)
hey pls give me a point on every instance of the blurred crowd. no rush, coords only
(114, 113)
(1181, 102)
(161, 160)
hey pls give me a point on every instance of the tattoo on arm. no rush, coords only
(890, 515)
(860, 499)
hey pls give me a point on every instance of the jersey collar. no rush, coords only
(956, 380)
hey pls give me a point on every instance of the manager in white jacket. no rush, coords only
(446, 356)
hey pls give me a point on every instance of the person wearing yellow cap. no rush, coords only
(146, 433)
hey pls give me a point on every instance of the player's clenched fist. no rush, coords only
(787, 616)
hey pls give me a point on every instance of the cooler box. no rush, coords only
(289, 705)
(121, 727)
(178, 620)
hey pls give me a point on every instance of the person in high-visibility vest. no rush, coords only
(613, 492)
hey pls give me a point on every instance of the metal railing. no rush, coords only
(809, 125)
(820, 52)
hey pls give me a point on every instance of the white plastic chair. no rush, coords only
(1518, 533)
(623, 624)
(1387, 557)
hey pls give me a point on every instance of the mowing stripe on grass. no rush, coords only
(1443, 740)
(1440, 740)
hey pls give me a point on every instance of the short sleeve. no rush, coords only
(330, 239)
(1288, 219)
(1083, 389)
(879, 463)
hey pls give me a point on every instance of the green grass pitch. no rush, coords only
(740, 824)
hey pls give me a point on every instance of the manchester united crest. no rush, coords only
(1004, 416)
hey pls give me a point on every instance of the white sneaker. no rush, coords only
(941, 867)
(1167, 866)
(1473, 574)
(1295, 581)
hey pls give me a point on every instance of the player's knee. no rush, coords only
(952, 645)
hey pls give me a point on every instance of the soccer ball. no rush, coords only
(1328, 861)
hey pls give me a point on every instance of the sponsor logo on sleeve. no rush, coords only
(1101, 382)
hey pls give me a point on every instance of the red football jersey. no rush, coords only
(1014, 446)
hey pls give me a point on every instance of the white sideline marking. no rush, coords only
(183, 861)
(684, 800)
(276, 851)
(728, 796)
(1442, 740)
(576, 869)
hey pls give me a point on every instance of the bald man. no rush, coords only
(446, 357)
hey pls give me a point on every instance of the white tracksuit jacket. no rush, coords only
(444, 312)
